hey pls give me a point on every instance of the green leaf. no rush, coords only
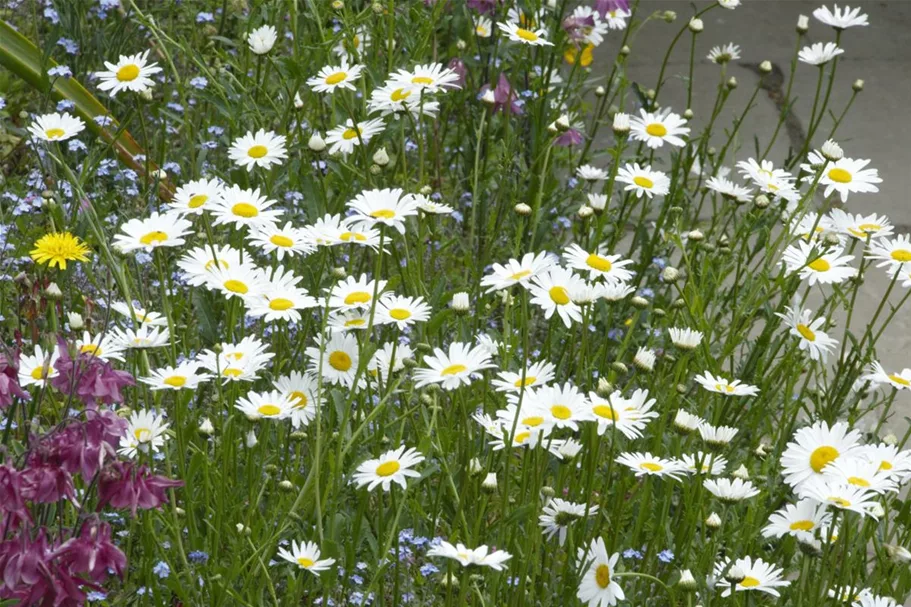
(21, 57)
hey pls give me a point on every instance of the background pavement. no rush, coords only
(878, 125)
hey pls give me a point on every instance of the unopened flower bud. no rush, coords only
(604, 387)
(316, 143)
(489, 483)
(619, 367)
(803, 24)
(670, 16)
(243, 529)
(461, 44)
(761, 201)
(251, 439)
(585, 211)
(621, 123)
(732, 83)
(339, 272)
(600, 91)
(695, 235)
(522, 209)
(742, 473)
(298, 102)
(890, 439)
(832, 151)
(735, 575)
(898, 554)
(597, 202)
(563, 123)
(547, 491)
(687, 581)
(475, 467)
(426, 190)
(146, 95)
(639, 302)
(765, 67)
(488, 97)
(688, 114)
(206, 428)
(76, 321)
(696, 25)
(858, 85)
(713, 521)
(670, 274)
(286, 485)
(53, 291)
(460, 302)
(381, 157)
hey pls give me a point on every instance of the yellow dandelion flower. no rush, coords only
(59, 248)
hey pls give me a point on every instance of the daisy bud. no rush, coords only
(286, 485)
(898, 554)
(803, 24)
(742, 473)
(732, 83)
(146, 95)
(251, 439)
(660, 313)
(651, 94)
(475, 467)
(696, 25)
(378, 8)
(688, 114)
(687, 581)
(552, 128)
(809, 545)
(761, 450)
(339, 272)
(761, 201)
(76, 321)
(681, 389)
(461, 45)
(298, 436)
(890, 439)
(625, 50)
(205, 427)
(316, 143)
(424, 348)
(426, 190)
(621, 123)
(522, 209)
(858, 85)
(449, 580)
(695, 235)
(604, 387)
(765, 67)
(563, 123)
(639, 302)
(298, 102)
(375, 169)
(489, 484)
(381, 157)
(179, 511)
(460, 302)
(670, 274)
(832, 151)
(735, 575)
(53, 291)
(669, 16)
(714, 522)
(619, 367)
(585, 211)
(547, 491)
(262, 39)
(877, 510)
(488, 97)
(686, 422)
(831, 238)
(242, 529)
(600, 91)
(597, 202)
(678, 304)
(644, 359)
(338, 5)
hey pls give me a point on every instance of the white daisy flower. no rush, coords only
(845, 176)
(184, 376)
(628, 415)
(286, 240)
(345, 137)
(245, 208)
(723, 386)
(891, 251)
(354, 292)
(900, 380)
(814, 447)
(826, 267)
(643, 180)
(704, 463)
(401, 311)
(811, 339)
(819, 53)
(729, 190)
(658, 128)
(841, 495)
(598, 264)
(145, 433)
(141, 315)
(646, 464)
(559, 514)
(197, 196)
(859, 226)
(565, 405)
(394, 466)
(724, 53)
(716, 436)
(480, 556)
(157, 230)
(306, 556)
(56, 127)
(390, 357)
(453, 368)
(300, 389)
(334, 77)
(38, 369)
(262, 39)
(841, 18)
(337, 359)
(517, 271)
(758, 576)
(552, 291)
(237, 362)
(532, 37)
(279, 298)
(146, 336)
(860, 472)
(199, 264)
(483, 27)
(385, 207)
(264, 405)
(130, 73)
(685, 338)
(262, 149)
(104, 346)
(397, 98)
(590, 173)
(730, 490)
(597, 587)
(429, 78)
(243, 280)
(803, 519)
(537, 374)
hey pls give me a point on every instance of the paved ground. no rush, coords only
(877, 127)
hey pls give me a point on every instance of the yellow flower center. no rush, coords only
(559, 295)
(533, 421)
(840, 176)
(599, 263)
(400, 314)
(388, 468)
(643, 182)
(749, 582)
(305, 562)
(340, 361)
(211, 264)
(884, 465)
(899, 380)
(819, 265)
(821, 457)
(521, 437)
(651, 466)
(527, 35)
(39, 372)
(257, 151)
(236, 286)
(605, 411)
(269, 410)
(197, 201)
(355, 322)
(383, 214)
(128, 73)
(54, 133)
(453, 370)
(602, 576)
(346, 236)
(901, 255)
(520, 275)
(350, 134)
(232, 372)
(400, 94)
(280, 304)
(421, 80)
(529, 380)
(561, 412)
(803, 525)
(336, 77)
(245, 209)
(281, 241)
(357, 297)
(858, 482)
(175, 381)
(90, 349)
(806, 332)
(153, 237)
(863, 229)
(143, 435)
(299, 399)
(656, 129)
(839, 501)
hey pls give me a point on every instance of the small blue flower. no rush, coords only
(68, 45)
(199, 82)
(630, 553)
(161, 569)
(666, 556)
(65, 105)
(429, 569)
(205, 18)
(60, 71)
(198, 557)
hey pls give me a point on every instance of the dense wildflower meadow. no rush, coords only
(428, 303)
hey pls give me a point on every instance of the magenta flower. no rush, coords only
(84, 447)
(608, 6)
(458, 66)
(92, 553)
(44, 481)
(89, 378)
(12, 504)
(504, 96)
(123, 485)
(483, 6)
(9, 380)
